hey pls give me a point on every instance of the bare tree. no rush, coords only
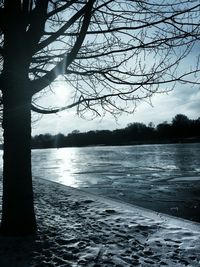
(113, 53)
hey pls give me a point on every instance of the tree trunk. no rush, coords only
(18, 217)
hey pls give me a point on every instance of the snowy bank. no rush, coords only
(80, 229)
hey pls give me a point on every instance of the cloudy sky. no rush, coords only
(183, 99)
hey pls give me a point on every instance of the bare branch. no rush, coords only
(111, 53)
(57, 34)
(62, 66)
(61, 8)
(37, 24)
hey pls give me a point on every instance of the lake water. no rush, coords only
(165, 178)
(118, 166)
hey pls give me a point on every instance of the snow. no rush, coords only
(76, 228)
(195, 178)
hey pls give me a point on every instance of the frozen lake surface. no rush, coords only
(165, 178)
(117, 165)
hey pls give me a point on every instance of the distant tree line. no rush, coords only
(181, 129)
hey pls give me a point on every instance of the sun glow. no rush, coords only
(57, 96)
(61, 92)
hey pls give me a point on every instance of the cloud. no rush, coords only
(183, 99)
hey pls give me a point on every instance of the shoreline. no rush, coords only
(186, 223)
(137, 143)
(78, 229)
(175, 198)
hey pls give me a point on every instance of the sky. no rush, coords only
(182, 99)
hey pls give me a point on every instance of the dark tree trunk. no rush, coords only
(18, 217)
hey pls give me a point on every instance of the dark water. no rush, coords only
(164, 178)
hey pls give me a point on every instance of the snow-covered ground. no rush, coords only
(80, 229)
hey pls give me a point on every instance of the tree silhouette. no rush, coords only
(181, 124)
(181, 129)
(113, 53)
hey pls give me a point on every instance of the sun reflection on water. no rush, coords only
(66, 160)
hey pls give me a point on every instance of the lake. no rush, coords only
(117, 165)
(165, 178)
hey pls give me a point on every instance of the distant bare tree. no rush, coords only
(113, 53)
